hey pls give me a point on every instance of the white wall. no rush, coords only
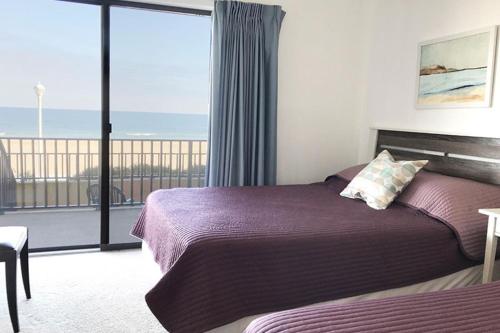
(318, 105)
(394, 30)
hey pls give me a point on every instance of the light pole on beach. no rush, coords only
(40, 90)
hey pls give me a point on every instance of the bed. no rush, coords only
(467, 310)
(230, 253)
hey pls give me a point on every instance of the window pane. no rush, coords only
(48, 167)
(159, 107)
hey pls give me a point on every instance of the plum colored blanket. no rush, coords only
(467, 310)
(227, 253)
(452, 200)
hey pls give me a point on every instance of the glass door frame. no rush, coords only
(106, 125)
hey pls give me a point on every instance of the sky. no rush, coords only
(460, 53)
(159, 61)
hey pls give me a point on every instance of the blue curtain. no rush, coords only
(244, 91)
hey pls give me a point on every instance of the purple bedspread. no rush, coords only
(452, 200)
(466, 310)
(227, 253)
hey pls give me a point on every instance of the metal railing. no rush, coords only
(54, 172)
(7, 181)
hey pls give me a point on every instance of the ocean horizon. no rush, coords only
(84, 124)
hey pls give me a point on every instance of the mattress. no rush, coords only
(229, 253)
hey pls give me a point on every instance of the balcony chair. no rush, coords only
(14, 242)
(116, 195)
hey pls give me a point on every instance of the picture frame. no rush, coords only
(457, 71)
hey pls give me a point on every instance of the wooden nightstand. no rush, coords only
(491, 242)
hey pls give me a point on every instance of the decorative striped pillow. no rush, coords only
(381, 181)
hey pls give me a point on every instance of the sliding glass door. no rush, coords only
(50, 127)
(101, 103)
(159, 65)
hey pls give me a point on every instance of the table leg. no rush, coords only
(490, 252)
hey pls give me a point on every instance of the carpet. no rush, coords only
(98, 292)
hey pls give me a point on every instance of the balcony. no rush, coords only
(52, 184)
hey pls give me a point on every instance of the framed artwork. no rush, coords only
(457, 71)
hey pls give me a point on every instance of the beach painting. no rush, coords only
(457, 71)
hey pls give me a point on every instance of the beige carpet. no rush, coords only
(85, 292)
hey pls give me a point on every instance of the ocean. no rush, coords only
(60, 123)
(446, 82)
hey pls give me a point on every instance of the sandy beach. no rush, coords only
(459, 96)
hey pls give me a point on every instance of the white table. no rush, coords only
(491, 242)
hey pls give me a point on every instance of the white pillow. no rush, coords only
(381, 181)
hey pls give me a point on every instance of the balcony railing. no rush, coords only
(53, 172)
(7, 181)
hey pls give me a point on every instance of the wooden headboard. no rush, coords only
(469, 157)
